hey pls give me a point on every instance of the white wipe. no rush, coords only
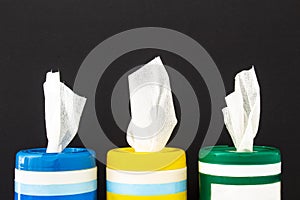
(241, 116)
(153, 116)
(63, 109)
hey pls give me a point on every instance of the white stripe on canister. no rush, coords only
(57, 177)
(240, 170)
(146, 177)
(246, 192)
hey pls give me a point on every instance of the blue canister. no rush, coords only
(70, 175)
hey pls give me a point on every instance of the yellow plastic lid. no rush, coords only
(128, 160)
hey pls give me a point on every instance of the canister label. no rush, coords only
(246, 192)
(45, 185)
(170, 184)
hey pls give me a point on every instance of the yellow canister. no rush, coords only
(146, 175)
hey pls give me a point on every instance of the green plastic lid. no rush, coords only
(226, 155)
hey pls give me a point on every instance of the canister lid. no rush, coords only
(70, 159)
(228, 156)
(129, 160)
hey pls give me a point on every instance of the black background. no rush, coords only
(36, 36)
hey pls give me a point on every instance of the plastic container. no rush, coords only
(229, 175)
(146, 176)
(70, 175)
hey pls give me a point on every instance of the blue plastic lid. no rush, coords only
(70, 159)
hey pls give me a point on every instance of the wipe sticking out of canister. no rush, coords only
(245, 171)
(57, 172)
(241, 116)
(63, 109)
(152, 110)
(148, 169)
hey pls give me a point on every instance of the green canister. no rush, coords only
(229, 175)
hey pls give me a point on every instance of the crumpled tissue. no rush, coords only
(241, 116)
(63, 109)
(153, 115)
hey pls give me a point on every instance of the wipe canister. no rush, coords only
(134, 175)
(148, 170)
(229, 175)
(69, 175)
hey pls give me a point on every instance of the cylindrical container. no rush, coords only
(146, 176)
(229, 175)
(70, 175)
